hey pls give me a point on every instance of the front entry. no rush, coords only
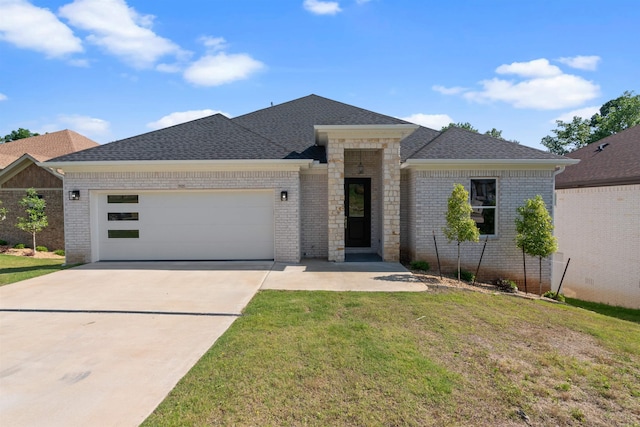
(357, 210)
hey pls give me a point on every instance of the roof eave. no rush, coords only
(487, 163)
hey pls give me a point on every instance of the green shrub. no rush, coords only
(3, 242)
(42, 249)
(552, 295)
(19, 246)
(59, 252)
(506, 285)
(465, 275)
(420, 265)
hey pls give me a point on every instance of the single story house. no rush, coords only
(597, 221)
(19, 170)
(310, 178)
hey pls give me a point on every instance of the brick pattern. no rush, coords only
(501, 258)
(287, 214)
(599, 229)
(313, 214)
(390, 194)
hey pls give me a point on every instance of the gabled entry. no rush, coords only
(357, 212)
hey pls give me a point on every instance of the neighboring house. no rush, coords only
(19, 171)
(307, 178)
(597, 217)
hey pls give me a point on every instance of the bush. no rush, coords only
(59, 252)
(19, 246)
(420, 265)
(42, 249)
(3, 242)
(465, 275)
(506, 285)
(552, 295)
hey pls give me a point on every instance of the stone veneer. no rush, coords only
(390, 194)
(287, 214)
(424, 211)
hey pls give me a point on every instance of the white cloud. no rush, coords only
(322, 7)
(182, 117)
(589, 63)
(169, 68)
(584, 113)
(85, 125)
(214, 44)
(120, 30)
(221, 68)
(536, 85)
(433, 121)
(448, 90)
(3, 97)
(27, 26)
(535, 68)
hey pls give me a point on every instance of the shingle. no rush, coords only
(617, 163)
(461, 144)
(44, 147)
(210, 138)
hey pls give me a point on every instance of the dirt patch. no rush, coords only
(8, 250)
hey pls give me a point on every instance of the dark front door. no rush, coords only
(357, 200)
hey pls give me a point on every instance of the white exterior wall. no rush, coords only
(77, 213)
(313, 214)
(599, 229)
(427, 213)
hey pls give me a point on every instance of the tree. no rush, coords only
(460, 227)
(494, 133)
(3, 212)
(614, 116)
(18, 134)
(36, 219)
(534, 228)
(465, 125)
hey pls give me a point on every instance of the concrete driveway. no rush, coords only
(104, 343)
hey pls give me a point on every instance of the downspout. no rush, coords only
(558, 170)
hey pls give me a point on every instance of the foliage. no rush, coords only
(505, 285)
(36, 219)
(59, 252)
(614, 116)
(460, 125)
(19, 246)
(3, 212)
(495, 133)
(42, 249)
(534, 228)
(3, 242)
(465, 275)
(552, 295)
(460, 227)
(18, 134)
(420, 265)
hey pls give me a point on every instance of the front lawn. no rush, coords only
(17, 268)
(444, 358)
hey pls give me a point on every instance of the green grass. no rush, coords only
(16, 268)
(446, 358)
(608, 310)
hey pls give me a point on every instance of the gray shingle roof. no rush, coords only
(291, 123)
(461, 144)
(617, 163)
(210, 138)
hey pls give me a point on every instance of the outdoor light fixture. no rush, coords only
(284, 196)
(74, 195)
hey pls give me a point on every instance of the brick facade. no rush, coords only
(287, 214)
(424, 210)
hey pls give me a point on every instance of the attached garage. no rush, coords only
(183, 225)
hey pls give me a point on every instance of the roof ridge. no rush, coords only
(440, 133)
(260, 135)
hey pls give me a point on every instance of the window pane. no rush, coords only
(123, 234)
(483, 202)
(123, 198)
(356, 200)
(122, 216)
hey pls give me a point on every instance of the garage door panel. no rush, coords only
(191, 225)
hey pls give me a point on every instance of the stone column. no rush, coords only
(391, 200)
(335, 176)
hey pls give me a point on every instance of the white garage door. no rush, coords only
(199, 225)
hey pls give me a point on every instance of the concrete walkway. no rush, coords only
(103, 344)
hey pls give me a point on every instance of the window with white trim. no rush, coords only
(484, 202)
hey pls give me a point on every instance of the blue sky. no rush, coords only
(110, 69)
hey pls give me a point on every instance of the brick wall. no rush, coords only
(287, 218)
(427, 210)
(599, 229)
(313, 214)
